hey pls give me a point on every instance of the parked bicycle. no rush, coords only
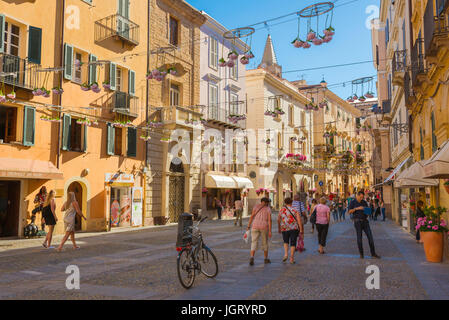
(195, 258)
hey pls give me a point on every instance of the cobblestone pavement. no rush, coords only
(141, 264)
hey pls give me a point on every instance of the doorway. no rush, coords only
(176, 190)
(76, 188)
(9, 208)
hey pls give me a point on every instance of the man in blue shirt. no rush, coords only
(361, 223)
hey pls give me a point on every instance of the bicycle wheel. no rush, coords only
(186, 268)
(208, 262)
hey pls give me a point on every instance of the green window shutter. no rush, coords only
(123, 8)
(92, 69)
(131, 82)
(112, 75)
(34, 45)
(29, 125)
(85, 139)
(66, 127)
(2, 32)
(132, 142)
(111, 140)
(68, 61)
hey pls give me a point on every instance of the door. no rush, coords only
(123, 18)
(9, 208)
(78, 190)
(176, 197)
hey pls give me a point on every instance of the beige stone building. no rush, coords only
(276, 136)
(173, 183)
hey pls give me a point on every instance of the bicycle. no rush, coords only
(195, 258)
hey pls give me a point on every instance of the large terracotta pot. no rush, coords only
(447, 188)
(433, 245)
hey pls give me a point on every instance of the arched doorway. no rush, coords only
(76, 188)
(176, 190)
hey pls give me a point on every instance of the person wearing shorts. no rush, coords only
(260, 225)
(290, 225)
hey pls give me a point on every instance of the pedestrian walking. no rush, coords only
(238, 206)
(299, 206)
(260, 225)
(419, 214)
(382, 209)
(361, 224)
(377, 211)
(334, 210)
(290, 225)
(71, 209)
(340, 209)
(39, 201)
(219, 207)
(49, 214)
(322, 223)
(312, 209)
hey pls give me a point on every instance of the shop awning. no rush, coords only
(220, 182)
(437, 166)
(413, 177)
(243, 183)
(395, 171)
(29, 169)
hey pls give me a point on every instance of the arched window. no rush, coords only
(434, 137)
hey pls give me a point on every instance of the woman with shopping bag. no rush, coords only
(290, 225)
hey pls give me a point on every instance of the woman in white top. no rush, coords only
(71, 209)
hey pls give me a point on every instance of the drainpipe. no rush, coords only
(61, 82)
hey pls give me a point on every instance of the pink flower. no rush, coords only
(306, 45)
(311, 35)
(428, 227)
(435, 228)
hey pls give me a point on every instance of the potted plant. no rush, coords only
(244, 60)
(12, 95)
(57, 90)
(46, 93)
(95, 88)
(432, 229)
(412, 205)
(107, 85)
(149, 76)
(85, 87)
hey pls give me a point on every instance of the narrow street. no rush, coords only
(142, 265)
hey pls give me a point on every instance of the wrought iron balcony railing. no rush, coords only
(19, 72)
(118, 27)
(417, 61)
(125, 104)
(400, 61)
(221, 115)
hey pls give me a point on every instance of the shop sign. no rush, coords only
(137, 197)
(119, 179)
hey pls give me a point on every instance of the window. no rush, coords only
(233, 72)
(292, 146)
(174, 95)
(233, 105)
(174, 25)
(74, 135)
(291, 115)
(213, 101)
(77, 70)
(303, 120)
(434, 137)
(118, 133)
(213, 53)
(11, 39)
(8, 124)
(118, 79)
(115, 141)
(421, 151)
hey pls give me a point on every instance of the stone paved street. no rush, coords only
(142, 265)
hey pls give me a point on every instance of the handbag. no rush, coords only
(313, 217)
(299, 241)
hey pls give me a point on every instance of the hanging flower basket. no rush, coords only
(306, 45)
(369, 95)
(329, 31)
(172, 71)
(350, 99)
(249, 55)
(46, 94)
(355, 97)
(327, 39)
(317, 41)
(244, 60)
(50, 119)
(230, 63)
(156, 73)
(311, 35)
(222, 62)
(362, 99)
(12, 95)
(145, 138)
(166, 140)
(233, 55)
(298, 43)
(122, 124)
(268, 141)
(57, 90)
(2, 97)
(155, 124)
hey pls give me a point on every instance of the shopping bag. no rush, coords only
(300, 244)
(246, 236)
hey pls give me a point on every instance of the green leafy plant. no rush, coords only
(432, 221)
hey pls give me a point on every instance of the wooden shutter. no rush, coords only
(132, 142)
(68, 61)
(34, 45)
(111, 140)
(131, 82)
(29, 125)
(85, 139)
(66, 128)
(112, 75)
(2, 33)
(92, 69)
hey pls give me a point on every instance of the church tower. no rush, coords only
(269, 60)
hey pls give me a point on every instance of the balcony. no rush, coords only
(126, 104)
(118, 28)
(220, 116)
(26, 75)
(418, 65)
(399, 65)
(179, 116)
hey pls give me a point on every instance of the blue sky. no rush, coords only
(351, 43)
